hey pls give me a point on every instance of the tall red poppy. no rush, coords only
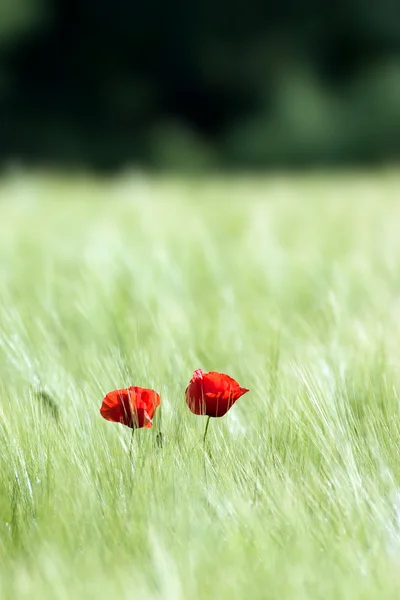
(134, 406)
(212, 394)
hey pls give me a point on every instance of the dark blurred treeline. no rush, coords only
(198, 84)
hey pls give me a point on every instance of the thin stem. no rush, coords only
(205, 451)
(205, 431)
(131, 446)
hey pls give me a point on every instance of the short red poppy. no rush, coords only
(212, 394)
(134, 406)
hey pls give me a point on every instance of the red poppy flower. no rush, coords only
(134, 406)
(212, 394)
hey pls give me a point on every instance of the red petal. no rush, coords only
(213, 393)
(149, 398)
(134, 407)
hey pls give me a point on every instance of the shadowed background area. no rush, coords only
(199, 85)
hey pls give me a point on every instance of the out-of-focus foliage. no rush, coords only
(18, 17)
(197, 84)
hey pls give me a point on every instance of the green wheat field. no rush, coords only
(291, 285)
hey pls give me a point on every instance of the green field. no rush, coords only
(289, 284)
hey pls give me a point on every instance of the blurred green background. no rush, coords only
(199, 85)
